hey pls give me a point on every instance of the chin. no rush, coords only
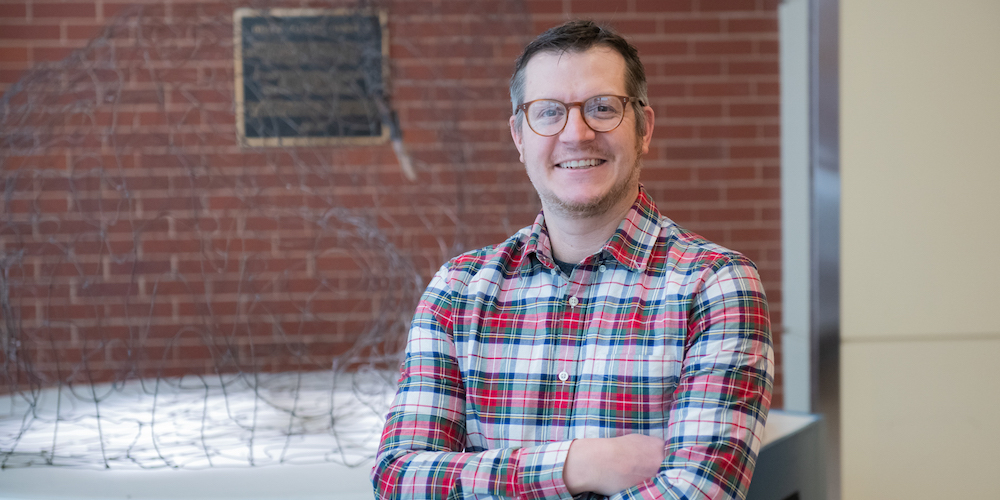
(588, 204)
(580, 206)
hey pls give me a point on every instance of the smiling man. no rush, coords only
(601, 351)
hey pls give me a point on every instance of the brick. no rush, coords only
(55, 227)
(214, 9)
(180, 10)
(692, 26)
(761, 151)
(591, 7)
(769, 89)
(140, 310)
(31, 32)
(756, 234)
(724, 89)
(537, 7)
(691, 68)
(11, 11)
(727, 131)
(725, 215)
(753, 193)
(108, 290)
(707, 152)
(766, 68)
(13, 54)
(771, 5)
(662, 48)
(632, 28)
(690, 194)
(767, 47)
(63, 10)
(84, 31)
(757, 109)
(139, 140)
(724, 47)
(479, 7)
(752, 25)
(8, 76)
(770, 131)
(771, 171)
(171, 75)
(727, 5)
(51, 54)
(727, 173)
(156, 246)
(692, 111)
(658, 90)
(84, 162)
(53, 161)
(672, 131)
(139, 97)
(492, 30)
(34, 206)
(672, 174)
(660, 6)
(114, 9)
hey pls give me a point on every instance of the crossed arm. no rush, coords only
(717, 415)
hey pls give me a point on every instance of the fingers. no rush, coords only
(609, 465)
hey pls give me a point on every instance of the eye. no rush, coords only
(547, 110)
(603, 108)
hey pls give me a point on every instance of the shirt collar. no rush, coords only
(630, 245)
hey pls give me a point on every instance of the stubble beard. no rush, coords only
(626, 187)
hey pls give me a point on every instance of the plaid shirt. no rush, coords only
(661, 333)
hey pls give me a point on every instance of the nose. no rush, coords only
(576, 129)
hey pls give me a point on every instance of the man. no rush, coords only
(601, 351)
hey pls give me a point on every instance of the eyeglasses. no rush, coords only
(602, 113)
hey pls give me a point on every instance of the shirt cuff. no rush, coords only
(540, 471)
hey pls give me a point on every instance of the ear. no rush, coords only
(647, 135)
(516, 135)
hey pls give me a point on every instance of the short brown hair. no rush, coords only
(579, 36)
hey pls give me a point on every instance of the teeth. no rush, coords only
(581, 163)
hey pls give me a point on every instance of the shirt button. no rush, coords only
(554, 271)
(563, 376)
(602, 268)
(573, 301)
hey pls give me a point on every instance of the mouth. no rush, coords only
(580, 164)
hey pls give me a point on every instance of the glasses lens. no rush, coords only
(604, 113)
(546, 117)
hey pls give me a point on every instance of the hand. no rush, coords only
(608, 465)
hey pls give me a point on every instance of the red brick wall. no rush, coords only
(139, 238)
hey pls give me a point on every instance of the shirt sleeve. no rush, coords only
(422, 452)
(724, 394)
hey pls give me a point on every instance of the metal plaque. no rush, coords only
(310, 77)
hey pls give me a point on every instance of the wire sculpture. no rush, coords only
(172, 299)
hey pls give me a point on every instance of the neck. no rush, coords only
(574, 238)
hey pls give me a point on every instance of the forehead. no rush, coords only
(574, 76)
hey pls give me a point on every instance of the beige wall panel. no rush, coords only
(920, 137)
(920, 419)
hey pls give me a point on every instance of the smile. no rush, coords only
(593, 162)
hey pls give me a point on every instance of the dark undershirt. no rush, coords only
(566, 267)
